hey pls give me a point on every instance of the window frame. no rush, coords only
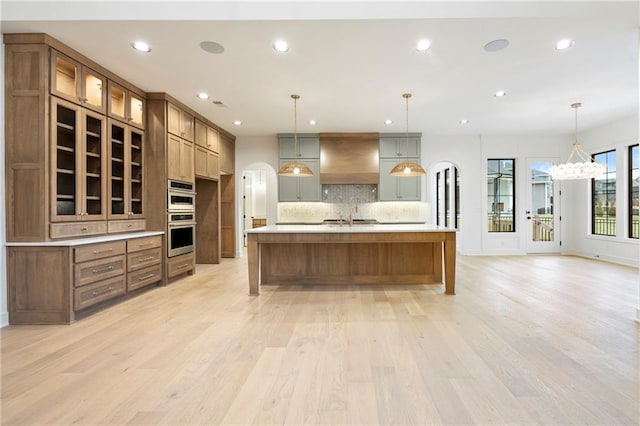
(606, 192)
(630, 192)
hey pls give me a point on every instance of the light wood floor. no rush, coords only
(526, 340)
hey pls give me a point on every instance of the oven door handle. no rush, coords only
(181, 225)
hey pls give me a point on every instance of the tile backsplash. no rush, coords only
(391, 212)
(338, 194)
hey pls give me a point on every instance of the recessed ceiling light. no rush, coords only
(281, 46)
(312, 122)
(464, 121)
(423, 45)
(496, 45)
(388, 121)
(141, 46)
(564, 44)
(203, 96)
(237, 122)
(212, 47)
(500, 93)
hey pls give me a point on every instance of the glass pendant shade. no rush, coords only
(585, 168)
(407, 168)
(295, 168)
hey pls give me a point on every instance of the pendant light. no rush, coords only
(407, 168)
(587, 169)
(295, 168)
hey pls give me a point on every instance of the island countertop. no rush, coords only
(346, 255)
(345, 228)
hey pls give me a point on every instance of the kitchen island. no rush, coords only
(358, 254)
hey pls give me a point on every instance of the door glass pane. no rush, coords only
(501, 195)
(93, 89)
(541, 202)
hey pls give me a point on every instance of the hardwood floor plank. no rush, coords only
(526, 340)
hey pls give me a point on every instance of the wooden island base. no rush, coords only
(279, 257)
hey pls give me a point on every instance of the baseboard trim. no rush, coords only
(4, 319)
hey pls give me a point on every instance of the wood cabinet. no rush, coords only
(57, 141)
(207, 164)
(179, 122)
(395, 188)
(77, 83)
(207, 137)
(227, 156)
(126, 157)
(180, 159)
(51, 284)
(126, 105)
(78, 158)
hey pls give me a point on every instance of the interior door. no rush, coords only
(542, 226)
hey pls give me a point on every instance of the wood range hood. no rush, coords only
(349, 158)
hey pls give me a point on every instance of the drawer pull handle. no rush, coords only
(145, 244)
(184, 265)
(146, 277)
(96, 293)
(84, 228)
(102, 251)
(146, 259)
(99, 271)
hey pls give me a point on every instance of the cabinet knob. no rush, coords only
(84, 228)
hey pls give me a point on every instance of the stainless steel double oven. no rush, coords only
(181, 218)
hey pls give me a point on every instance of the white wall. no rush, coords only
(620, 249)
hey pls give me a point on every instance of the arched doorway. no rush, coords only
(259, 200)
(445, 198)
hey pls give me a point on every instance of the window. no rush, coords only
(634, 205)
(501, 195)
(603, 200)
(457, 199)
(447, 189)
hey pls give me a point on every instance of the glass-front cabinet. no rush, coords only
(78, 161)
(77, 83)
(125, 171)
(125, 105)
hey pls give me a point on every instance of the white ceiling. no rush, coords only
(351, 61)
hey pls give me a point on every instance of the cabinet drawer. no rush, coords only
(77, 229)
(144, 277)
(115, 226)
(179, 264)
(98, 292)
(96, 270)
(98, 251)
(137, 244)
(144, 258)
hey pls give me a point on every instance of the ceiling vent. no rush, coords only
(220, 104)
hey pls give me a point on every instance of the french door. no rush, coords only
(542, 225)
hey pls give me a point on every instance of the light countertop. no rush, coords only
(334, 228)
(84, 241)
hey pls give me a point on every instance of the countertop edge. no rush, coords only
(84, 241)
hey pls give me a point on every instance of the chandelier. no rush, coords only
(407, 168)
(295, 168)
(586, 169)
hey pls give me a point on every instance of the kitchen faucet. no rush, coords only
(353, 208)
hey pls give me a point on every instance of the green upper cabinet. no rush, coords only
(394, 148)
(300, 188)
(308, 145)
(397, 145)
